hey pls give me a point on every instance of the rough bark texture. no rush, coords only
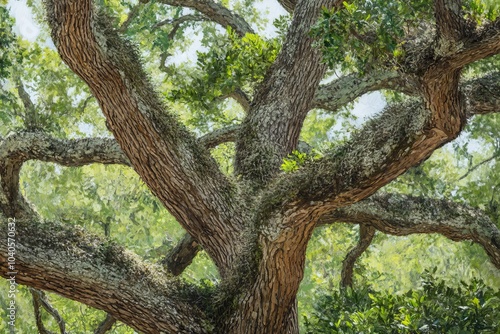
(256, 225)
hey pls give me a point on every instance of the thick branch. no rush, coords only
(483, 94)
(216, 12)
(449, 19)
(478, 45)
(401, 137)
(366, 234)
(180, 172)
(272, 128)
(68, 261)
(403, 215)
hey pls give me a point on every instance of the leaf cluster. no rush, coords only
(235, 63)
(363, 34)
(433, 308)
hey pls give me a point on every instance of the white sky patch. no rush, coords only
(25, 25)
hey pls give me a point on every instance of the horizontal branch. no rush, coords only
(215, 12)
(340, 92)
(24, 146)
(72, 263)
(403, 215)
(220, 136)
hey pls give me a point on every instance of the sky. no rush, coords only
(367, 106)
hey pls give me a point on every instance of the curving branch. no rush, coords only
(401, 215)
(215, 12)
(24, 146)
(165, 155)
(37, 304)
(402, 136)
(366, 234)
(241, 97)
(83, 267)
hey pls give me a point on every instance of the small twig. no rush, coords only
(131, 16)
(366, 234)
(38, 315)
(496, 155)
(42, 298)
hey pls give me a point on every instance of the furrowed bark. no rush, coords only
(450, 23)
(179, 171)
(402, 136)
(68, 261)
(403, 215)
(269, 304)
(271, 129)
(216, 12)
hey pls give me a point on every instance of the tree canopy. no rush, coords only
(178, 166)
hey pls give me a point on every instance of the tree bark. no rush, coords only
(256, 228)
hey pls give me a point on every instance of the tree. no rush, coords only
(254, 223)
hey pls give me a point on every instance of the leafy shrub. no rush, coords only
(433, 308)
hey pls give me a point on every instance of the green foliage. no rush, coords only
(433, 308)
(297, 159)
(481, 10)
(233, 63)
(364, 34)
(6, 41)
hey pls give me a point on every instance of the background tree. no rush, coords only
(251, 206)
